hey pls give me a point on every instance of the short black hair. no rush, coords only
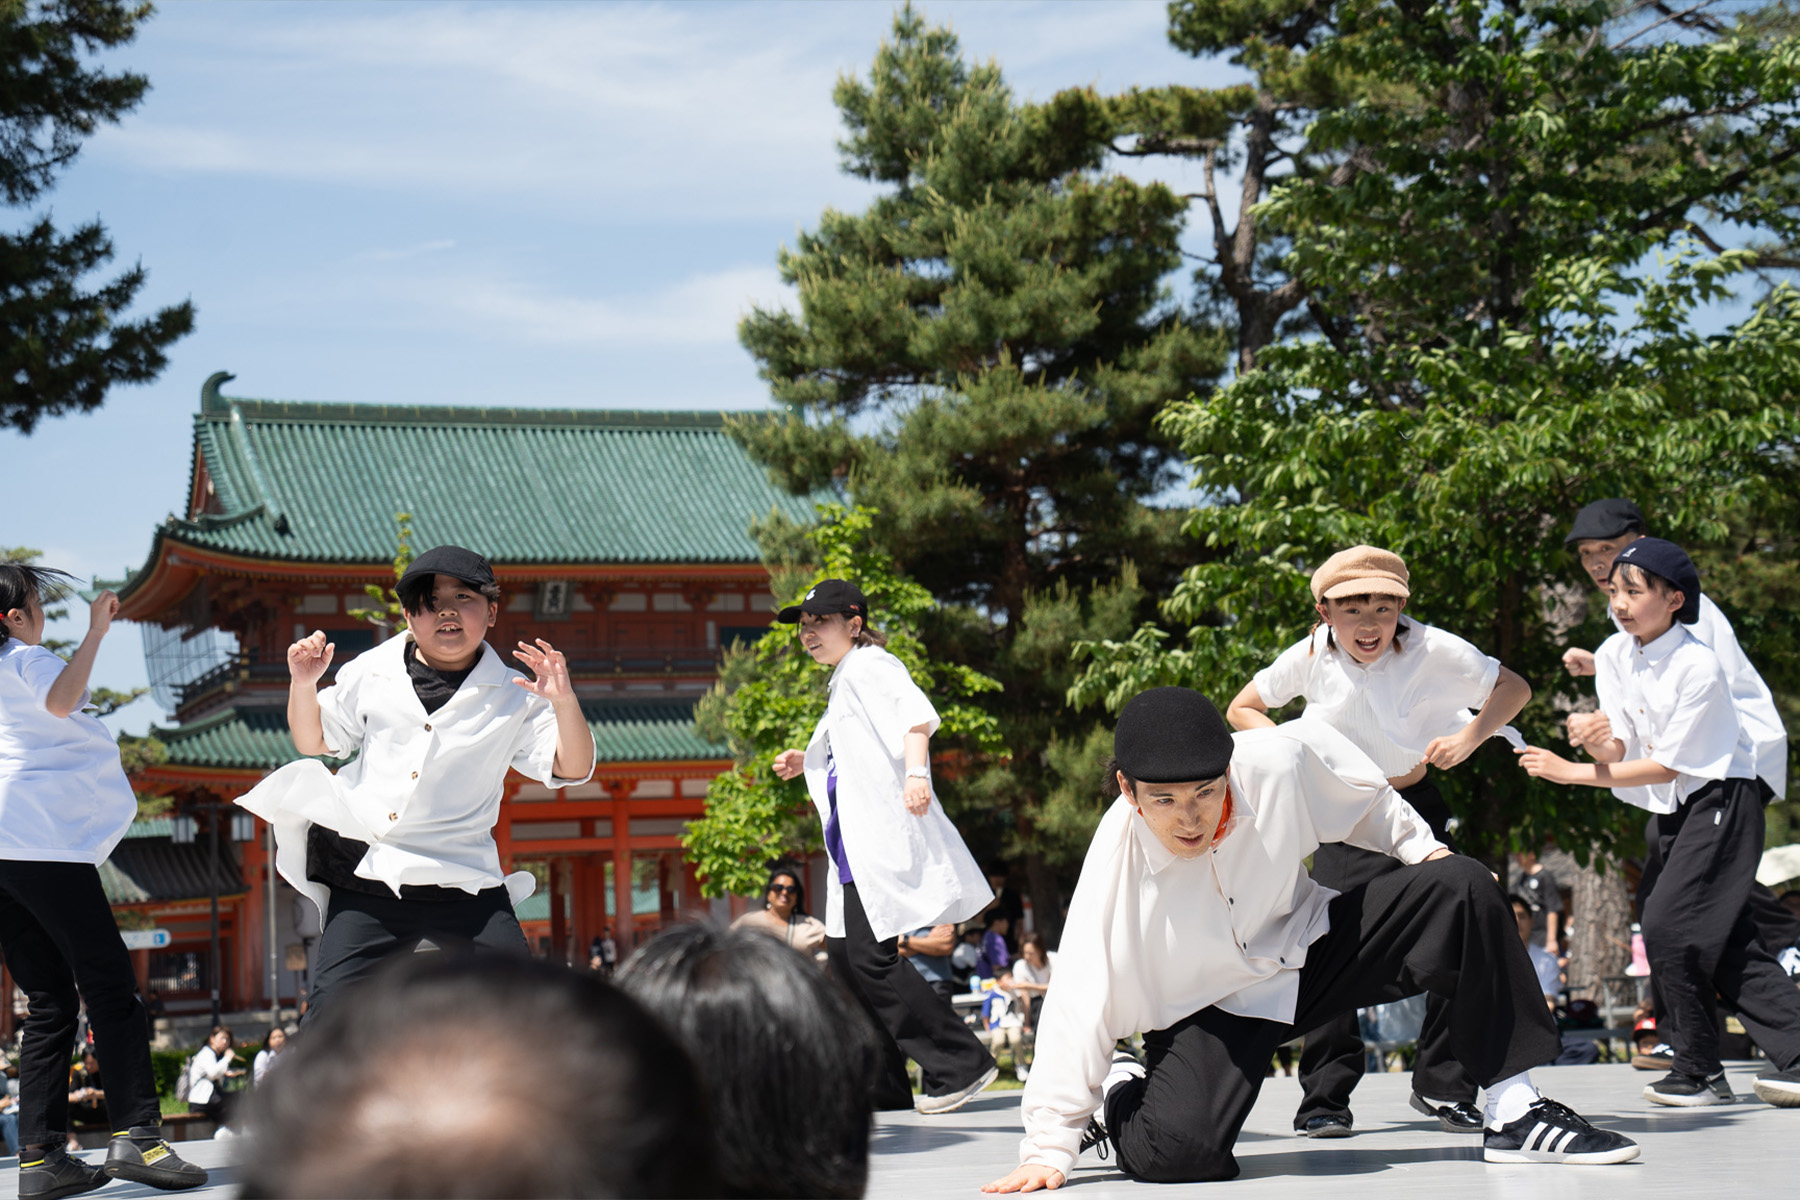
(789, 1060)
(415, 593)
(21, 581)
(429, 1080)
(1109, 786)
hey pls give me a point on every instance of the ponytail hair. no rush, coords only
(21, 581)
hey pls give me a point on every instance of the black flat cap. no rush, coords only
(826, 597)
(1670, 562)
(414, 588)
(1172, 735)
(1605, 519)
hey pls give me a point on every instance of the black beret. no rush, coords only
(1670, 562)
(414, 588)
(1172, 735)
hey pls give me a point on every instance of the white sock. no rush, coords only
(1508, 1099)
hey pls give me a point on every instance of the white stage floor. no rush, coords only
(1748, 1149)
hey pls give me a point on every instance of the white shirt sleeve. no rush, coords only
(1609, 687)
(1348, 798)
(535, 755)
(894, 703)
(1285, 678)
(1461, 675)
(41, 667)
(340, 716)
(1701, 735)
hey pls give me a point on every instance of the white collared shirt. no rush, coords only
(1393, 707)
(63, 795)
(1755, 704)
(425, 788)
(1669, 702)
(1152, 938)
(909, 871)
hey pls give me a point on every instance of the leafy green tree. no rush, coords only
(391, 614)
(771, 695)
(1516, 309)
(64, 343)
(978, 356)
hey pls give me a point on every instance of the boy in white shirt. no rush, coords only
(1194, 921)
(1672, 744)
(398, 846)
(64, 805)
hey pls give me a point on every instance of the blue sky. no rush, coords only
(500, 204)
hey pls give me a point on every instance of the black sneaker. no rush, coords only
(1678, 1090)
(1554, 1133)
(1329, 1125)
(1780, 1088)
(54, 1173)
(1451, 1118)
(1094, 1138)
(142, 1156)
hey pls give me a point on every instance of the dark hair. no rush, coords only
(1109, 786)
(793, 870)
(415, 593)
(216, 1030)
(21, 581)
(1518, 901)
(270, 1036)
(786, 1056)
(1034, 938)
(1638, 577)
(430, 1081)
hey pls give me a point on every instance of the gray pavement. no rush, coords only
(1749, 1149)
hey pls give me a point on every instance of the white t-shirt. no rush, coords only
(1024, 972)
(1755, 704)
(1669, 702)
(1152, 939)
(63, 794)
(1393, 707)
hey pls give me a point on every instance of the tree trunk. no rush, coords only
(1599, 928)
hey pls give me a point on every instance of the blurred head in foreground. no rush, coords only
(434, 1080)
(785, 1056)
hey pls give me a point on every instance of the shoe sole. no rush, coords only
(1781, 1095)
(162, 1181)
(1329, 1131)
(951, 1101)
(73, 1189)
(1598, 1158)
(1706, 1099)
(1421, 1106)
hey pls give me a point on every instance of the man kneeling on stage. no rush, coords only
(1195, 922)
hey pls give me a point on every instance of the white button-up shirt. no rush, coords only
(424, 790)
(909, 871)
(1393, 707)
(1669, 702)
(63, 794)
(1755, 704)
(1152, 938)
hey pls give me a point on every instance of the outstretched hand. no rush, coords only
(1542, 764)
(310, 657)
(1028, 1178)
(789, 764)
(1446, 752)
(1578, 661)
(546, 662)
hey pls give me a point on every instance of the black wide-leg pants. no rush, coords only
(1441, 927)
(1332, 1058)
(362, 931)
(910, 1018)
(63, 947)
(1702, 932)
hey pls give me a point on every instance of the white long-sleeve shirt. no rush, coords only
(1755, 704)
(1152, 938)
(206, 1073)
(1670, 702)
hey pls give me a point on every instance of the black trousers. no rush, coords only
(361, 931)
(910, 1019)
(63, 947)
(1441, 927)
(1702, 933)
(1332, 1059)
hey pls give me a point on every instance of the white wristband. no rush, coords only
(918, 772)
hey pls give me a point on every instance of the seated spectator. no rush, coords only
(995, 953)
(9, 1110)
(928, 949)
(967, 956)
(274, 1042)
(1576, 1052)
(87, 1094)
(434, 1082)
(784, 914)
(207, 1072)
(1031, 976)
(1004, 1022)
(786, 1057)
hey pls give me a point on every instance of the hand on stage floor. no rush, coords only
(1028, 1178)
(790, 763)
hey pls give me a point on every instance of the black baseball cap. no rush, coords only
(1605, 519)
(1172, 735)
(414, 588)
(1670, 562)
(826, 597)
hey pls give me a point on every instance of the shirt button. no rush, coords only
(1229, 900)
(428, 727)
(393, 816)
(415, 774)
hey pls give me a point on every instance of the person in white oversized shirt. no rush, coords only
(1672, 745)
(398, 846)
(1195, 922)
(64, 805)
(897, 862)
(1403, 692)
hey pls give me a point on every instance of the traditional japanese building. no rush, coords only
(621, 537)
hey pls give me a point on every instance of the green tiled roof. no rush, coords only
(257, 738)
(322, 482)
